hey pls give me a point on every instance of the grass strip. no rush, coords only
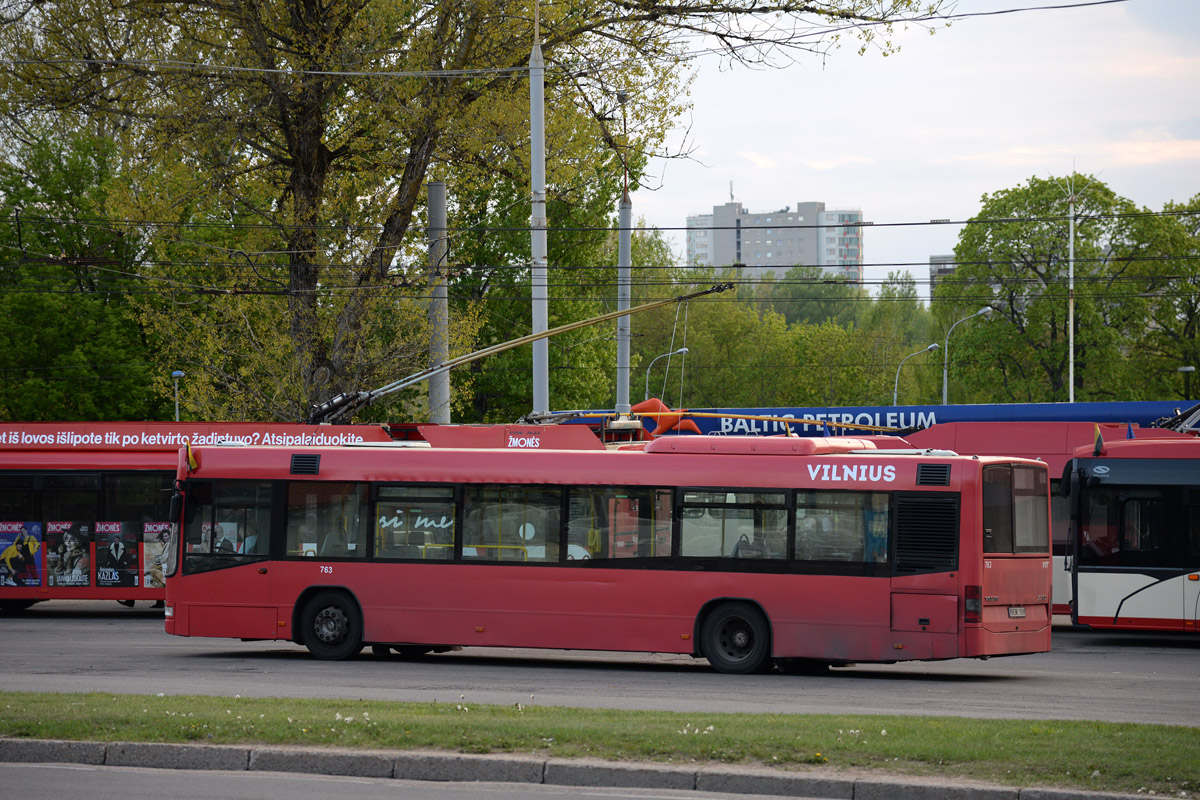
(1100, 756)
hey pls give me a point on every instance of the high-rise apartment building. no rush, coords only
(776, 241)
(939, 267)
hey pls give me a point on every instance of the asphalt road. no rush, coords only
(100, 646)
(126, 783)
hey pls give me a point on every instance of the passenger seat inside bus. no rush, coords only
(334, 544)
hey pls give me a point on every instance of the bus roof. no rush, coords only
(737, 461)
(1181, 447)
(1053, 442)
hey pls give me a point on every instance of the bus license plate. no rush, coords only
(1016, 612)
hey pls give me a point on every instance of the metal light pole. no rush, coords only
(537, 221)
(1187, 381)
(896, 388)
(678, 352)
(177, 374)
(946, 353)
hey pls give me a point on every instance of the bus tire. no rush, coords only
(331, 627)
(802, 666)
(736, 639)
(16, 606)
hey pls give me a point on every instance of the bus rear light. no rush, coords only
(973, 607)
(169, 611)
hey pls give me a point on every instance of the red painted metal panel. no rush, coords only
(925, 612)
(512, 437)
(170, 436)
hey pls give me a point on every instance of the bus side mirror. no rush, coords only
(176, 507)
(1064, 485)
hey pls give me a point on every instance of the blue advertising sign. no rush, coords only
(851, 420)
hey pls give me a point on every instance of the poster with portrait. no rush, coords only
(117, 546)
(20, 553)
(68, 553)
(154, 553)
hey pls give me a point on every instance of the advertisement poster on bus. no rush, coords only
(154, 553)
(117, 554)
(20, 553)
(68, 560)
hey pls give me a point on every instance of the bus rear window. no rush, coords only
(1015, 510)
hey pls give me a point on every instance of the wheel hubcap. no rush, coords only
(330, 625)
(736, 640)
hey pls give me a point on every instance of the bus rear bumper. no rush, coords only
(981, 642)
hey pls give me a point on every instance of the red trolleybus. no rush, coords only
(1135, 514)
(83, 506)
(740, 550)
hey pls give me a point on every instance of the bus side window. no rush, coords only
(618, 522)
(511, 523)
(734, 524)
(326, 520)
(415, 522)
(842, 526)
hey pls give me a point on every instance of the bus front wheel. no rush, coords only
(736, 639)
(332, 629)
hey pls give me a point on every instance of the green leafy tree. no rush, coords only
(313, 128)
(810, 295)
(899, 325)
(1170, 268)
(1014, 258)
(71, 346)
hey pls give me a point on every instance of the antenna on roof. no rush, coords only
(731, 191)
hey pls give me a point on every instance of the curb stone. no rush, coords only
(885, 790)
(454, 767)
(31, 750)
(572, 773)
(320, 762)
(734, 782)
(176, 756)
(467, 768)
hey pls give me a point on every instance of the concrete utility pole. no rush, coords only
(1072, 195)
(537, 222)
(439, 311)
(624, 267)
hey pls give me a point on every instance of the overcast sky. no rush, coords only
(981, 106)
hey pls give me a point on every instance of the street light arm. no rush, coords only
(896, 388)
(679, 352)
(946, 353)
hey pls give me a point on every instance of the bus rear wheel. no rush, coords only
(736, 639)
(401, 650)
(331, 627)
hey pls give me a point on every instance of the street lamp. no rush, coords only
(1187, 381)
(177, 374)
(678, 352)
(896, 388)
(946, 353)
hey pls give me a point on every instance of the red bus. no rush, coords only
(1135, 560)
(83, 506)
(741, 550)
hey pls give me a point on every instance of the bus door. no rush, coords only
(1127, 578)
(231, 587)
(1191, 581)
